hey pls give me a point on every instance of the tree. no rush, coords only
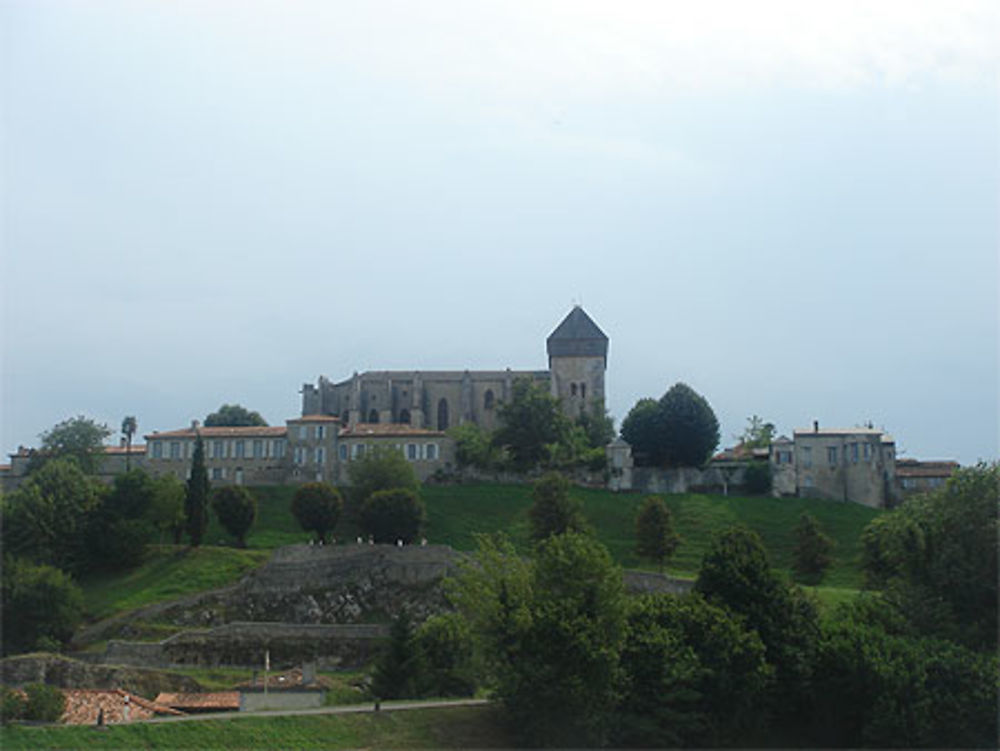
(129, 427)
(234, 416)
(391, 515)
(447, 656)
(79, 438)
(119, 530)
(597, 425)
(530, 422)
(554, 512)
(196, 497)
(654, 532)
(811, 557)
(166, 510)
(936, 555)
(641, 430)
(736, 574)
(474, 447)
(47, 518)
(236, 509)
(316, 506)
(690, 428)
(757, 477)
(41, 604)
(400, 667)
(757, 434)
(12, 705)
(679, 430)
(381, 469)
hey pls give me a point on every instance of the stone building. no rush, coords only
(440, 399)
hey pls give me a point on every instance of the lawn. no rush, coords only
(458, 727)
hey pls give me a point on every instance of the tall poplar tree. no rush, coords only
(196, 498)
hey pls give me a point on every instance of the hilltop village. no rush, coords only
(412, 412)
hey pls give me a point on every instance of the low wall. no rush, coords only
(688, 480)
(252, 700)
(243, 644)
(648, 582)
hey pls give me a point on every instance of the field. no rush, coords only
(459, 727)
(457, 513)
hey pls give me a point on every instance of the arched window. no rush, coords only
(443, 414)
(488, 399)
(572, 389)
(373, 416)
(345, 418)
(583, 391)
(404, 416)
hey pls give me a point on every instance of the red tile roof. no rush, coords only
(137, 448)
(221, 700)
(275, 431)
(83, 705)
(315, 418)
(387, 430)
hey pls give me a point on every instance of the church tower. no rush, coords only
(578, 357)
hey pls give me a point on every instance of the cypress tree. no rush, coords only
(196, 497)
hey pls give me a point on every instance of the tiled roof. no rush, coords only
(275, 431)
(577, 336)
(137, 448)
(315, 418)
(839, 431)
(221, 700)
(387, 430)
(83, 705)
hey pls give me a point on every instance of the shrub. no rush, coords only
(390, 515)
(811, 557)
(316, 506)
(758, 478)
(381, 469)
(236, 509)
(38, 602)
(12, 705)
(554, 512)
(45, 703)
(654, 532)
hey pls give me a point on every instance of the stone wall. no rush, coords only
(688, 480)
(252, 700)
(648, 582)
(64, 672)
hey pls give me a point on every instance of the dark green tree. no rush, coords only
(597, 426)
(47, 518)
(447, 656)
(41, 606)
(474, 447)
(811, 556)
(936, 555)
(317, 506)
(166, 510)
(736, 574)
(381, 469)
(554, 511)
(391, 515)
(530, 423)
(654, 532)
(690, 428)
(641, 429)
(757, 478)
(236, 508)
(118, 530)
(45, 703)
(79, 438)
(400, 668)
(129, 427)
(234, 416)
(196, 497)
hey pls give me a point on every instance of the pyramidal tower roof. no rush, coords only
(577, 336)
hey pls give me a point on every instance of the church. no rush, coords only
(440, 399)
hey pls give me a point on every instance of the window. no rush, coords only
(175, 450)
(809, 481)
(300, 455)
(216, 473)
(868, 451)
(854, 453)
(157, 450)
(342, 451)
(241, 449)
(278, 449)
(411, 451)
(218, 449)
(345, 417)
(303, 432)
(320, 456)
(807, 456)
(442, 414)
(432, 451)
(258, 449)
(404, 416)
(239, 476)
(572, 389)
(373, 415)
(321, 432)
(488, 399)
(831, 455)
(583, 391)
(358, 450)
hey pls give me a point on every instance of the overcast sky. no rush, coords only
(790, 206)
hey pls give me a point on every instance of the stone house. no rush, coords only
(914, 476)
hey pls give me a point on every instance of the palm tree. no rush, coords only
(129, 426)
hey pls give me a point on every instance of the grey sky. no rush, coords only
(792, 207)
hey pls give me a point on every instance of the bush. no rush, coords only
(381, 469)
(654, 532)
(446, 645)
(757, 478)
(45, 703)
(236, 509)
(38, 602)
(391, 515)
(12, 705)
(811, 557)
(316, 506)
(554, 512)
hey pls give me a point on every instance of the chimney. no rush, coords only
(194, 424)
(121, 442)
(815, 426)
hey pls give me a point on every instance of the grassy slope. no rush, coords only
(460, 727)
(457, 512)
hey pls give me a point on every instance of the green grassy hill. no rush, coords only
(456, 513)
